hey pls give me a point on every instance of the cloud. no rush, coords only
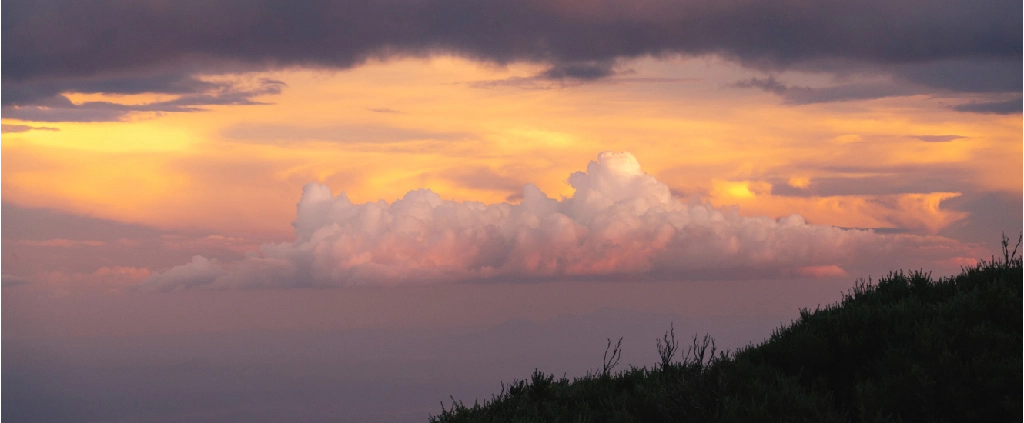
(768, 84)
(560, 75)
(31, 92)
(964, 75)
(11, 129)
(949, 43)
(583, 71)
(553, 79)
(45, 39)
(59, 108)
(483, 178)
(848, 92)
(939, 138)
(62, 242)
(349, 134)
(22, 223)
(798, 95)
(11, 280)
(74, 244)
(870, 180)
(619, 223)
(992, 214)
(996, 107)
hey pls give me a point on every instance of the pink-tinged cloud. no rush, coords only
(820, 271)
(60, 242)
(620, 223)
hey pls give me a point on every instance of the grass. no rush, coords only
(908, 348)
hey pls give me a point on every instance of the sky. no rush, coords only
(323, 210)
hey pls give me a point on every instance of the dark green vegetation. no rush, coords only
(907, 349)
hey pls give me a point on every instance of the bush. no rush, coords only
(906, 349)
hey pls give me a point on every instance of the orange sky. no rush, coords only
(472, 131)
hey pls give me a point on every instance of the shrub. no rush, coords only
(905, 349)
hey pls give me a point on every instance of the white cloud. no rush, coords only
(620, 222)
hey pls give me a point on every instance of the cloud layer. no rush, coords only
(619, 223)
(63, 39)
(53, 46)
(11, 280)
(48, 105)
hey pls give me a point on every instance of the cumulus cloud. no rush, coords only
(620, 222)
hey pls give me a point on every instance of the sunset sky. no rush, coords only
(205, 169)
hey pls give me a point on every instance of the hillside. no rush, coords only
(905, 349)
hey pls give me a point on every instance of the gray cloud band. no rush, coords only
(70, 45)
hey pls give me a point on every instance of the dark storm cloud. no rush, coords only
(51, 47)
(53, 40)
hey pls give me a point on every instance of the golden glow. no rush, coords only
(109, 137)
(799, 181)
(744, 190)
(479, 132)
(739, 190)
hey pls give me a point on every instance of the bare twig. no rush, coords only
(616, 354)
(702, 352)
(667, 346)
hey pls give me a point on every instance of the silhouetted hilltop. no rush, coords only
(905, 349)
